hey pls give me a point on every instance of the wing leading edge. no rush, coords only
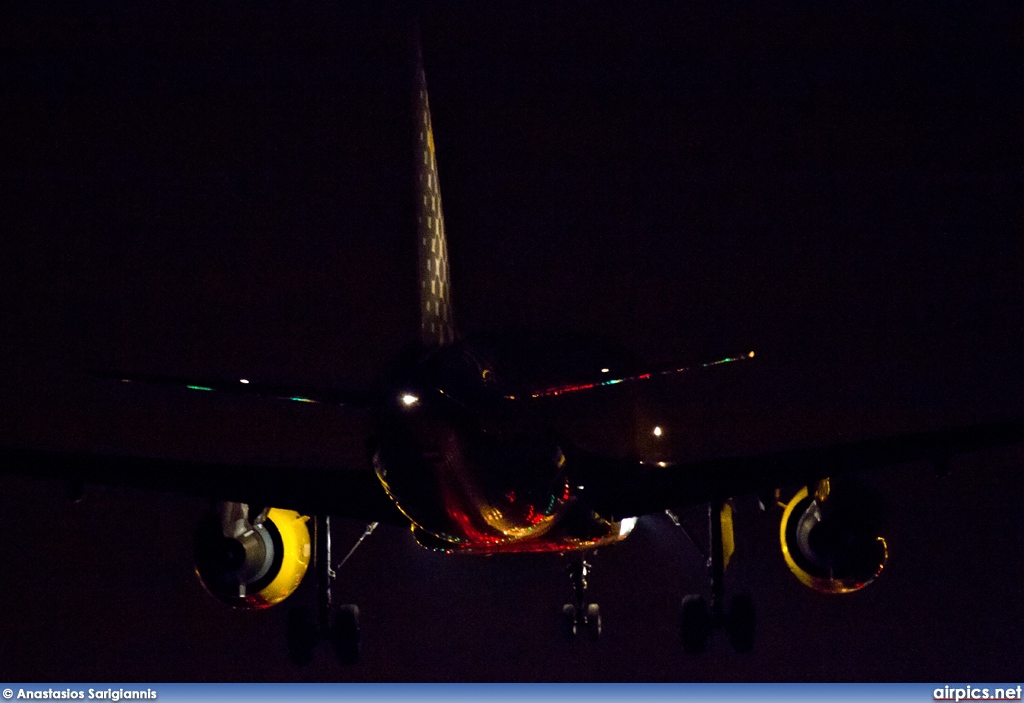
(625, 487)
(355, 494)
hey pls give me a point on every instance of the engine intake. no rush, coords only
(251, 563)
(831, 540)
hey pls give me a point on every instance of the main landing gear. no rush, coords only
(697, 619)
(340, 627)
(580, 616)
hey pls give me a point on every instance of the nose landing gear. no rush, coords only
(580, 616)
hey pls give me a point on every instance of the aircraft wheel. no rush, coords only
(301, 636)
(345, 634)
(594, 620)
(569, 620)
(741, 623)
(694, 624)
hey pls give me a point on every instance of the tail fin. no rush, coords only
(437, 327)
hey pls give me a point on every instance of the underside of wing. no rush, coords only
(625, 487)
(355, 494)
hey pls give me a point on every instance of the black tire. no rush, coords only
(569, 621)
(741, 623)
(345, 635)
(594, 621)
(694, 624)
(301, 637)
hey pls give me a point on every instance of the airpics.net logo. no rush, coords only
(977, 693)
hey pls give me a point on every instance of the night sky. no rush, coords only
(228, 192)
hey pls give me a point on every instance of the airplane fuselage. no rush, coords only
(472, 465)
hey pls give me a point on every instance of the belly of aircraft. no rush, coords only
(467, 492)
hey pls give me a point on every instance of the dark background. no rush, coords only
(227, 191)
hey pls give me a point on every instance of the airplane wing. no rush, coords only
(355, 494)
(627, 487)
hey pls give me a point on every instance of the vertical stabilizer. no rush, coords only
(436, 325)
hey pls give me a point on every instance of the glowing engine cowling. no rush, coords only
(831, 541)
(251, 564)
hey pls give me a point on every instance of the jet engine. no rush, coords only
(252, 562)
(831, 539)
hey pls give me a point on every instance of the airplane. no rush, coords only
(467, 452)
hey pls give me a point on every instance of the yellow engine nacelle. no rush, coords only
(251, 564)
(830, 540)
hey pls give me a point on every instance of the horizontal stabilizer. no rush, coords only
(603, 378)
(246, 386)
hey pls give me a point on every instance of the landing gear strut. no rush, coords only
(580, 615)
(340, 627)
(697, 618)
